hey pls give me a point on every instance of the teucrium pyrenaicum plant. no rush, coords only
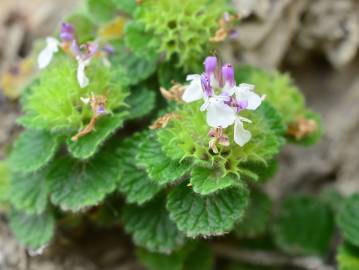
(196, 173)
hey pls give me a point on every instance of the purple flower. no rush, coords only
(67, 32)
(100, 110)
(228, 75)
(206, 85)
(210, 65)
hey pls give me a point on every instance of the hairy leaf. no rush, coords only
(125, 5)
(75, 185)
(348, 219)
(88, 145)
(141, 103)
(348, 257)
(210, 215)
(296, 233)
(102, 10)
(151, 227)
(33, 150)
(33, 231)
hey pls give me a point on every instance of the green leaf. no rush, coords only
(102, 10)
(29, 192)
(304, 226)
(85, 28)
(257, 216)
(88, 145)
(210, 215)
(206, 181)
(137, 68)
(126, 5)
(134, 182)
(348, 219)
(33, 150)
(4, 181)
(33, 231)
(168, 72)
(75, 185)
(151, 227)
(348, 257)
(159, 167)
(141, 103)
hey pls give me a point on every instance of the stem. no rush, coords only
(268, 258)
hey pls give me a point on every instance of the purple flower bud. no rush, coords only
(210, 65)
(108, 49)
(67, 32)
(206, 85)
(228, 74)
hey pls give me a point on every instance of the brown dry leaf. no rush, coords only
(302, 128)
(174, 93)
(163, 121)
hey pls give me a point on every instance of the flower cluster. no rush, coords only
(82, 53)
(223, 101)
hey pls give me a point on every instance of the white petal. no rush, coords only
(229, 89)
(47, 53)
(85, 100)
(193, 91)
(241, 135)
(219, 114)
(245, 93)
(192, 77)
(247, 86)
(254, 101)
(204, 106)
(81, 76)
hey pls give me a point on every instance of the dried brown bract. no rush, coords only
(163, 121)
(302, 128)
(217, 137)
(174, 93)
(225, 28)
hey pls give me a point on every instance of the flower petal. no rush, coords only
(219, 114)
(245, 93)
(81, 76)
(47, 53)
(241, 135)
(194, 90)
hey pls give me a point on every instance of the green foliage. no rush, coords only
(184, 28)
(33, 231)
(29, 192)
(33, 150)
(257, 216)
(159, 167)
(188, 137)
(209, 215)
(348, 257)
(102, 10)
(87, 146)
(151, 227)
(4, 181)
(125, 5)
(75, 185)
(85, 28)
(134, 182)
(304, 226)
(141, 103)
(55, 102)
(348, 219)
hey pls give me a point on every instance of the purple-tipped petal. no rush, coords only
(67, 32)
(210, 65)
(228, 74)
(206, 85)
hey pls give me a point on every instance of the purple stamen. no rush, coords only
(108, 49)
(206, 85)
(67, 32)
(241, 105)
(210, 65)
(100, 110)
(228, 74)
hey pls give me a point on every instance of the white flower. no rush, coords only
(194, 90)
(47, 53)
(219, 114)
(244, 92)
(241, 135)
(81, 76)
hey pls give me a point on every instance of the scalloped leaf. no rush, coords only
(294, 229)
(210, 215)
(75, 185)
(151, 227)
(88, 145)
(348, 257)
(257, 216)
(33, 231)
(134, 182)
(4, 181)
(141, 103)
(188, 137)
(348, 219)
(159, 167)
(33, 150)
(29, 192)
(205, 181)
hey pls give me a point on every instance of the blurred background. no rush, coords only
(316, 42)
